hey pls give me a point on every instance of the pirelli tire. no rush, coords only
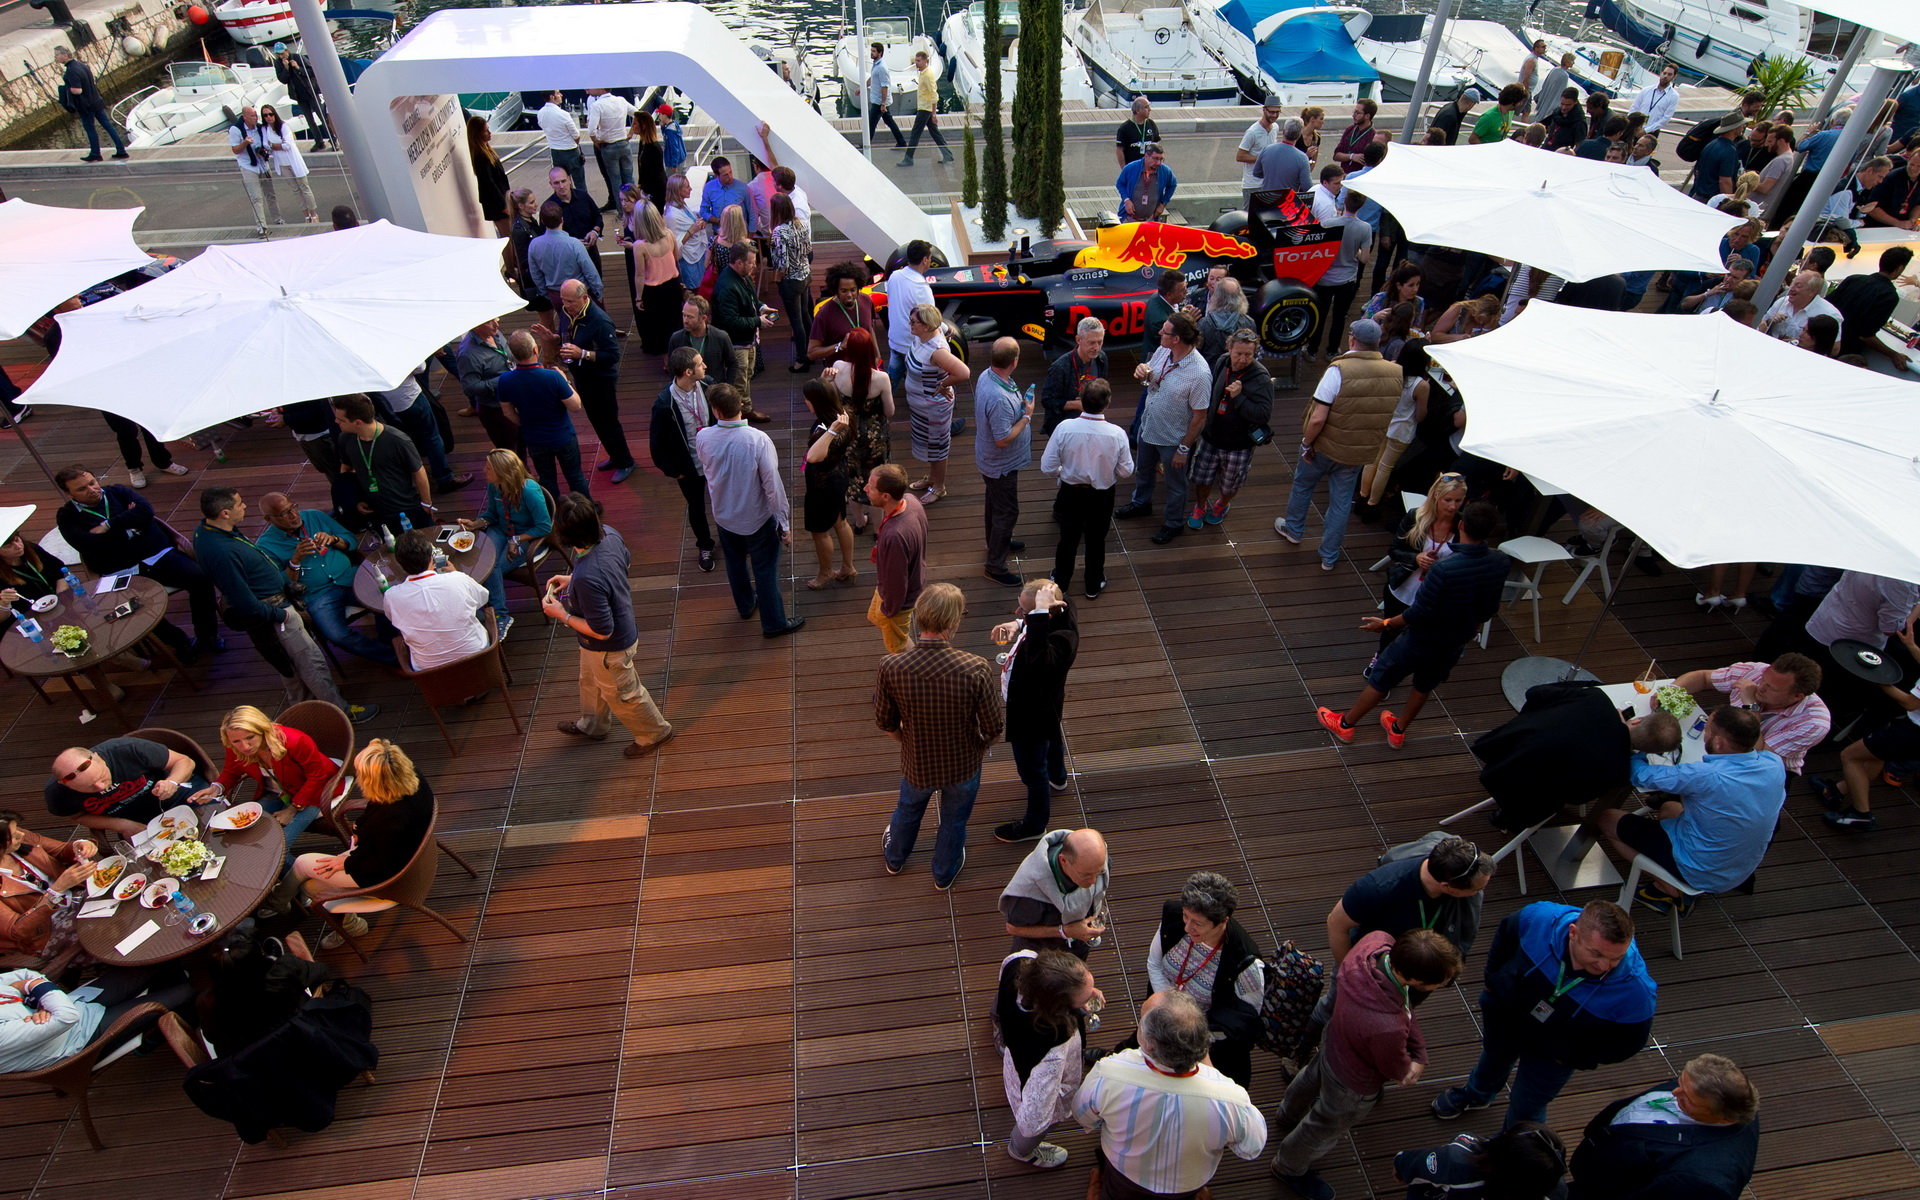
(1286, 316)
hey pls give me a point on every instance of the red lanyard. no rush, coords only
(1183, 976)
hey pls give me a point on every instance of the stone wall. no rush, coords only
(29, 78)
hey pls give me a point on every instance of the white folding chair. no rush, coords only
(1642, 865)
(1592, 562)
(1538, 553)
(1513, 844)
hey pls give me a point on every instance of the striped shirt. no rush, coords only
(1789, 732)
(1167, 1133)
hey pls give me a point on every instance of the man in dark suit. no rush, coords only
(1041, 646)
(1568, 745)
(1695, 1137)
(680, 412)
(590, 348)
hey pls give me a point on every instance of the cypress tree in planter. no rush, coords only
(1050, 195)
(993, 198)
(1028, 115)
(969, 166)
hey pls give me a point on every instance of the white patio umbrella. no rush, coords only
(1572, 217)
(13, 517)
(242, 328)
(49, 254)
(1713, 442)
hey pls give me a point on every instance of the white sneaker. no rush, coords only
(174, 469)
(137, 478)
(1046, 1156)
(355, 925)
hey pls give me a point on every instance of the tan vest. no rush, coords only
(1357, 419)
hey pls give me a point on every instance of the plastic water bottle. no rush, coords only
(31, 628)
(406, 524)
(1030, 393)
(184, 906)
(73, 582)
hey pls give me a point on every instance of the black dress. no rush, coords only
(491, 180)
(650, 172)
(826, 501)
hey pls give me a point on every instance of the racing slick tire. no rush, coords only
(1286, 316)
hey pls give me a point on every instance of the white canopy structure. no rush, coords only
(247, 327)
(1571, 217)
(571, 46)
(1711, 441)
(49, 255)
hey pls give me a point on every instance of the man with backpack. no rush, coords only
(1695, 139)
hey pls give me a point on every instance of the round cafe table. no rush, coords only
(477, 562)
(108, 640)
(254, 856)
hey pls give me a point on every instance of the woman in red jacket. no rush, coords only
(288, 768)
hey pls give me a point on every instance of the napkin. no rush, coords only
(103, 907)
(134, 940)
(212, 869)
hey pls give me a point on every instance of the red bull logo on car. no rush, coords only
(1156, 244)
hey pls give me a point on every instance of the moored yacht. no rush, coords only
(1148, 48)
(898, 44)
(969, 52)
(1297, 50)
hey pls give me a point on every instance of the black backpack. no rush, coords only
(1696, 139)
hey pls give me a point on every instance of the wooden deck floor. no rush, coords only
(689, 978)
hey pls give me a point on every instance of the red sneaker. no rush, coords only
(1396, 736)
(1332, 722)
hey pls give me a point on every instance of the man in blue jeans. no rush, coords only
(1565, 990)
(313, 546)
(1341, 432)
(1173, 410)
(944, 708)
(749, 501)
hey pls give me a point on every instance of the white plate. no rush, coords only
(129, 886)
(45, 603)
(175, 823)
(159, 893)
(95, 890)
(240, 816)
(462, 541)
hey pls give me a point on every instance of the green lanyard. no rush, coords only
(366, 456)
(1140, 138)
(1428, 922)
(104, 514)
(39, 575)
(1560, 985)
(1406, 997)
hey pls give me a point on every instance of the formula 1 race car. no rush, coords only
(1045, 288)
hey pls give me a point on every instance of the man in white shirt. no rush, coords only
(906, 289)
(436, 612)
(1788, 317)
(1661, 100)
(1164, 1115)
(1328, 208)
(1259, 135)
(563, 139)
(1091, 457)
(610, 124)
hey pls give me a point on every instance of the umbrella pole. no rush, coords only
(1442, 11)
(1523, 674)
(34, 450)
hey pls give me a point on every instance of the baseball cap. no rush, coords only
(279, 47)
(1365, 331)
(1474, 94)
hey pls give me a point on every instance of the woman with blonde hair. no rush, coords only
(1424, 537)
(687, 229)
(287, 767)
(489, 175)
(654, 257)
(515, 518)
(932, 371)
(1465, 319)
(386, 834)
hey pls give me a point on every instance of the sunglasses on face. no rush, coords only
(74, 774)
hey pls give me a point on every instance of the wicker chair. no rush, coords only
(74, 1076)
(332, 731)
(459, 681)
(180, 743)
(408, 889)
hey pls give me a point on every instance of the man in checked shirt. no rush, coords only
(943, 706)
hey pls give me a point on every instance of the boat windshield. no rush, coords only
(890, 30)
(201, 75)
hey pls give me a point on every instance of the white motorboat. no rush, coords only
(1395, 46)
(1723, 40)
(1148, 48)
(1297, 50)
(898, 44)
(969, 52)
(200, 97)
(257, 22)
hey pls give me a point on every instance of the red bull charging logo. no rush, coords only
(1153, 243)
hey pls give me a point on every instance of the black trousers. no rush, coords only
(324, 454)
(176, 570)
(923, 122)
(128, 434)
(1336, 300)
(1085, 512)
(694, 489)
(1002, 511)
(603, 412)
(876, 115)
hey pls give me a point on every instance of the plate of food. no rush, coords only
(45, 603)
(106, 873)
(175, 823)
(159, 893)
(129, 886)
(462, 541)
(240, 816)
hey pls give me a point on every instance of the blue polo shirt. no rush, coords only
(1719, 159)
(538, 395)
(1732, 802)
